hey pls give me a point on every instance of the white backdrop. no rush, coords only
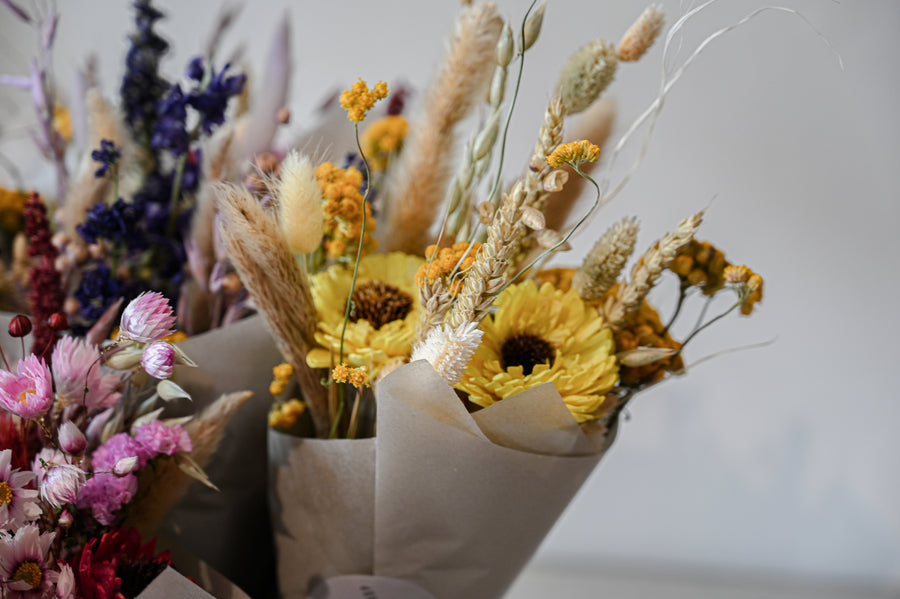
(780, 461)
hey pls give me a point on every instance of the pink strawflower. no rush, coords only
(44, 460)
(147, 318)
(105, 494)
(71, 439)
(61, 484)
(76, 365)
(162, 439)
(23, 564)
(18, 505)
(158, 359)
(65, 585)
(29, 392)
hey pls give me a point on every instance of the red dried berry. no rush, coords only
(20, 325)
(58, 322)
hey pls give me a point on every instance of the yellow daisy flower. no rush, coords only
(543, 335)
(383, 324)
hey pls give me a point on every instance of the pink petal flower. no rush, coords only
(76, 366)
(17, 504)
(147, 318)
(17, 554)
(158, 360)
(71, 439)
(29, 392)
(61, 484)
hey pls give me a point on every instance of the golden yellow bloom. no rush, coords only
(12, 207)
(457, 259)
(176, 337)
(643, 328)
(700, 264)
(283, 371)
(359, 99)
(383, 139)
(62, 122)
(383, 324)
(342, 373)
(748, 284)
(277, 387)
(342, 205)
(573, 153)
(541, 335)
(285, 415)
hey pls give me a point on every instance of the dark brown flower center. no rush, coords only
(380, 303)
(29, 572)
(526, 351)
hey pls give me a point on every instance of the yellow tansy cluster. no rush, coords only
(343, 373)
(643, 328)
(700, 264)
(12, 207)
(457, 258)
(382, 139)
(749, 286)
(286, 415)
(62, 122)
(573, 153)
(281, 377)
(359, 99)
(342, 204)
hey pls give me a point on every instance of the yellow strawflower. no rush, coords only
(342, 373)
(383, 139)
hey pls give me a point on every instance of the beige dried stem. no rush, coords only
(217, 166)
(629, 296)
(259, 252)
(594, 124)
(415, 190)
(169, 482)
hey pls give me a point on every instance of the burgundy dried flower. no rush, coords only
(20, 325)
(46, 294)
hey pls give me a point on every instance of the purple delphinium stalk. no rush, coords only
(107, 155)
(142, 87)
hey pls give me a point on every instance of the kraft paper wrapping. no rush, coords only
(230, 530)
(460, 501)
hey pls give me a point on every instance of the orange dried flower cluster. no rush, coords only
(574, 152)
(12, 209)
(342, 204)
(382, 139)
(359, 99)
(749, 286)
(643, 328)
(343, 373)
(700, 264)
(456, 258)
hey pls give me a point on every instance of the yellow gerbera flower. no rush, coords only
(386, 310)
(541, 335)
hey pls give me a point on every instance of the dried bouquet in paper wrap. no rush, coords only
(411, 286)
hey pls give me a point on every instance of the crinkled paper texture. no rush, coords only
(459, 501)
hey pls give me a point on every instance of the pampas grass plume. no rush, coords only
(299, 204)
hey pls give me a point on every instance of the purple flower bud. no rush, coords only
(158, 360)
(65, 519)
(71, 439)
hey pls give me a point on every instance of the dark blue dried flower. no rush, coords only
(96, 292)
(120, 224)
(142, 87)
(170, 132)
(212, 102)
(195, 69)
(108, 155)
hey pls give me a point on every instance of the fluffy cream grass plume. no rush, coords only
(605, 261)
(86, 189)
(416, 188)
(629, 296)
(641, 35)
(588, 72)
(299, 204)
(169, 481)
(595, 124)
(449, 350)
(260, 254)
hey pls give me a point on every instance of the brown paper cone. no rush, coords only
(460, 501)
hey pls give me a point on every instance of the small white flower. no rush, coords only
(449, 350)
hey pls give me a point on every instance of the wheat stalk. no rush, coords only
(605, 261)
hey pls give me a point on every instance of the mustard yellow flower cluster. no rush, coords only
(359, 99)
(446, 262)
(574, 153)
(382, 139)
(342, 204)
(12, 207)
(343, 373)
(700, 264)
(286, 415)
(749, 286)
(282, 375)
(62, 122)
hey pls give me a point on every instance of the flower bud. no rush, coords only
(20, 325)
(71, 439)
(125, 466)
(158, 360)
(58, 321)
(65, 519)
